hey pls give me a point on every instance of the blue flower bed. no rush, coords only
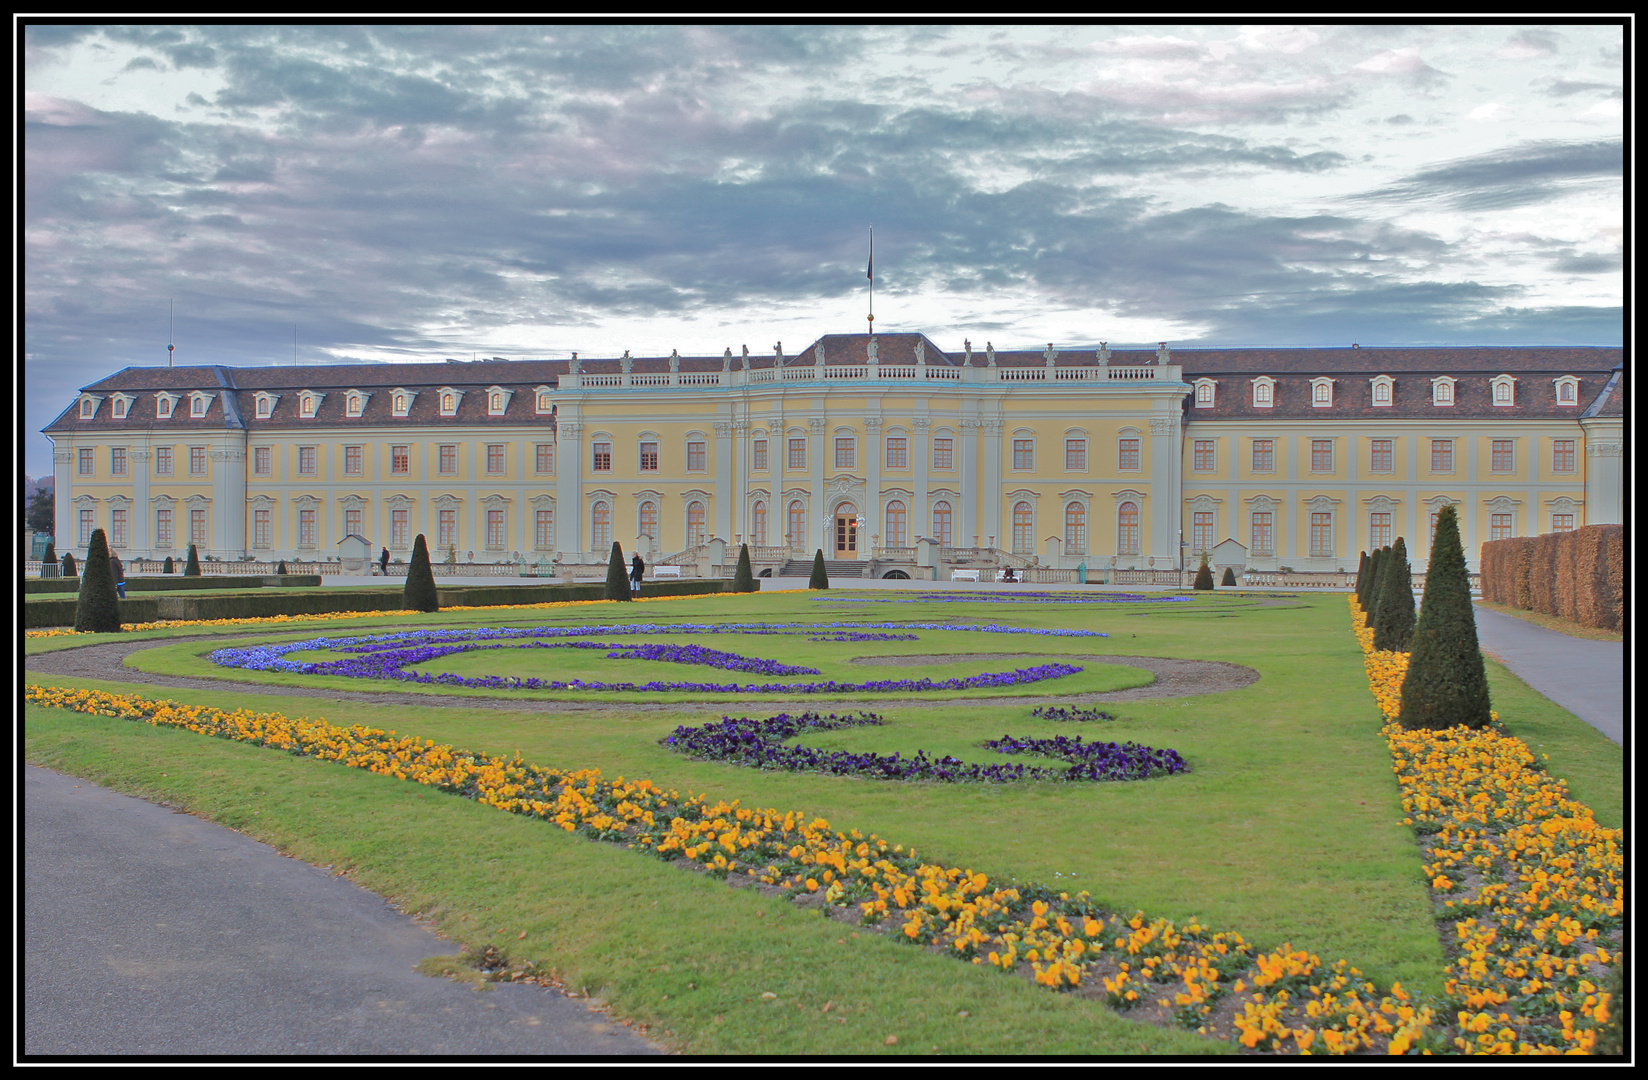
(1061, 713)
(759, 744)
(387, 656)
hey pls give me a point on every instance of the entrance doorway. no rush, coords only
(846, 535)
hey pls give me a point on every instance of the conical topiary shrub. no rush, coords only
(192, 567)
(419, 593)
(821, 577)
(617, 575)
(67, 567)
(743, 580)
(98, 608)
(1381, 558)
(1393, 630)
(1447, 683)
(167, 567)
(1230, 576)
(50, 554)
(280, 568)
(1204, 576)
(1361, 578)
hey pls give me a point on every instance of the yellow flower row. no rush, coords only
(1291, 1000)
(1533, 885)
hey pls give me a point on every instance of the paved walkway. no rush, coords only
(153, 932)
(1585, 677)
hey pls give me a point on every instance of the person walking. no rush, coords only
(119, 571)
(383, 563)
(637, 569)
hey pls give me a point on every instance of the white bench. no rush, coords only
(964, 575)
(666, 571)
(1016, 579)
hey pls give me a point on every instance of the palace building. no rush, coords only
(885, 450)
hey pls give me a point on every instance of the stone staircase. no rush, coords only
(803, 568)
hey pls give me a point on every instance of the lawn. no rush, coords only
(1287, 827)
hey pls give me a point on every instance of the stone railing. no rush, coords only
(861, 372)
(896, 554)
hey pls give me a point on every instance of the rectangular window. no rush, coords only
(260, 528)
(944, 453)
(798, 454)
(306, 528)
(1075, 455)
(1562, 455)
(163, 529)
(1321, 455)
(1562, 523)
(758, 454)
(447, 460)
(400, 460)
(494, 459)
(696, 457)
(1503, 456)
(494, 530)
(261, 461)
(163, 461)
(397, 528)
(543, 532)
(544, 454)
(117, 461)
(352, 523)
(898, 453)
(1127, 454)
(1379, 530)
(1321, 535)
(649, 457)
(447, 534)
(1024, 454)
(1263, 539)
(1380, 462)
(197, 461)
(88, 462)
(197, 528)
(306, 461)
(87, 524)
(1499, 527)
(352, 460)
(117, 528)
(601, 456)
(1202, 455)
(1264, 455)
(1201, 530)
(1441, 455)
(846, 453)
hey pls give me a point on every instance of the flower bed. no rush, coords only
(1063, 713)
(388, 656)
(1529, 888)
(1015, 597)
(759, 744)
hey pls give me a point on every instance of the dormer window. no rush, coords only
(122, 403)
(1504, 390)
(449, 400)
(265, 405)
(546, 402)
(352, 405)
(400, 400)
(497, 400)
(309, 403)
(1567, 390)
(1442, 391)
(163, 406)
(198, 404)
(1264, 392)
(1382, 386)
(88, 407)
(1204, 393)
(1321, 393)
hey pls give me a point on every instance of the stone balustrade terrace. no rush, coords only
(872, 373)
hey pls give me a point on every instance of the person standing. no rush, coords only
(637, 569)
(119, 571)
(383, 563)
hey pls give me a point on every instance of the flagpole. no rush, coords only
(870, 272)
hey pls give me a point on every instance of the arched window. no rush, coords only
(649, 520)
(1204, 394)
(1381, 393)
(1024, 538)
(1127, 529)
(897, 533)
(1075, 529)
(942, 519)
(1565, 392)
(695, 523)
(497, 403)
(600, 527)
(1502, 393)
(796, 536)
(1261, 394)
(354, 405)
(758, 524)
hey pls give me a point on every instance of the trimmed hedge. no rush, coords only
(1577, 575)
(155, 584)
(39, 614)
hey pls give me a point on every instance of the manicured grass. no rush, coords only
(1287, 829)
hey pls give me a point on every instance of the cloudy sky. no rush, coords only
(413, 193)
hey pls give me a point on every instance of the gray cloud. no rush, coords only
(1518, 175)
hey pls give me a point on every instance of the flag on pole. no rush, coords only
(869, 271)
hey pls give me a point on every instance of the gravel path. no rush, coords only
(1174, 678)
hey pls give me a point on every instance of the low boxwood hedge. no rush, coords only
(59, 611)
